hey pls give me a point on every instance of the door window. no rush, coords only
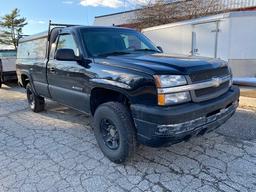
(67, 42)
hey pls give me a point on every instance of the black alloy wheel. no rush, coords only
(110, 134)
(115, 131)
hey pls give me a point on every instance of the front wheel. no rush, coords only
(36, 103)
(114, 131)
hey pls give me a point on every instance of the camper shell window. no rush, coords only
(33, 49)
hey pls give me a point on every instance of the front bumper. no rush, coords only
(157, 126)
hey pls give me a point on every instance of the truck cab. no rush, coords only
(134, 93)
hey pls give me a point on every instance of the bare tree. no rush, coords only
(163, 11)
(154, 13)
(197, 8)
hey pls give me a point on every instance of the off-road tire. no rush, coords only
(36, 103)
(123, 122)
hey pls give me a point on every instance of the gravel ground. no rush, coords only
(56, 151)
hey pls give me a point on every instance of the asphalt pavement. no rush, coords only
(56, 151)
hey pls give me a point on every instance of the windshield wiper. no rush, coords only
(145, 50)
(112, 53)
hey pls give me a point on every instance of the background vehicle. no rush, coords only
(134, 93)
(7, 66)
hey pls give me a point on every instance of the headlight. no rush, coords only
(173, 98)
(166, 81)
(163, 81)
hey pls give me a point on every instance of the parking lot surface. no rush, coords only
(56, 151)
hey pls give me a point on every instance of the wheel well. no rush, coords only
(24, 80)
(101, 95)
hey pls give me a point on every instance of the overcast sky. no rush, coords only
(39, 12)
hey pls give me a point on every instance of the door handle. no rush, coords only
(52, 70)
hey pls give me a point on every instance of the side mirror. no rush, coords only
(160, 49)
(66, 55)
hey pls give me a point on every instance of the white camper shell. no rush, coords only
(229, 36)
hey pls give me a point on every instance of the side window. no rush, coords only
(33, 49)
(53, 49)
(67, 42)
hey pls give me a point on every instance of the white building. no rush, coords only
(125, 19)
(229, 36)
(122, 19)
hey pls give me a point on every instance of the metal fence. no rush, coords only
(223, 4)
(235, 4)
(217, 6)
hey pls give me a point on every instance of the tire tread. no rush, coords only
(126, 118)
(39, 101)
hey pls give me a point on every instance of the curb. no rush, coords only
(247, 103)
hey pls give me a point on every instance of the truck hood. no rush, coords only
(163, 63)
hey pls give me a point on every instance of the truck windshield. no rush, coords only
(106, 42)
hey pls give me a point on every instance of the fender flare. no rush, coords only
(111, 85)
(23, 72)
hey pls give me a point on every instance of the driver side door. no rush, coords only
(68, 80)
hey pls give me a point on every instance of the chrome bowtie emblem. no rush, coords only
(216, 81)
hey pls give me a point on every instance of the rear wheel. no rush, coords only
(114, 131)
(36, 103)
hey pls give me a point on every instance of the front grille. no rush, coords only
(210, 92)
(202, 92)
(209, 74)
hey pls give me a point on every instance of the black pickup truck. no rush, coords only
(133, 92)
